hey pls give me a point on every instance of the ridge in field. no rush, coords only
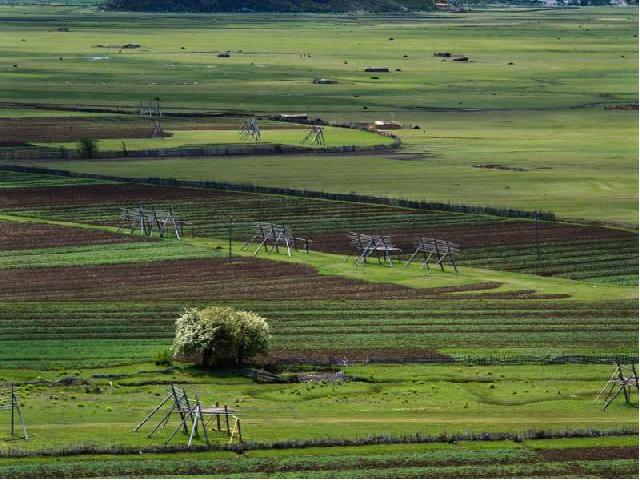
(283, 6)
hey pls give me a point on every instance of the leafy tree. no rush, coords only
(87, 148)
(220, 336)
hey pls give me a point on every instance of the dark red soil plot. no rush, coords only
(481, 235)
(392, 355)
(199, 279)
(18, 236)
(115, 194)
(588, 453)
(67, 129)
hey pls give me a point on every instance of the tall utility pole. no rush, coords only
(13, 406)
(537, 215)
(230, 239)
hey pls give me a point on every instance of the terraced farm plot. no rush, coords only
(10, 179)
(571, 251)
(334, 137)
(127, 250)
(17, 237)
(534, 459)
(325, 330)
(212, 279)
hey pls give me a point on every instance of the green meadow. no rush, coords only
(530, 100)
(392, 399)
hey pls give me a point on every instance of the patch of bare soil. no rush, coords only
(331, 357)
(588, 453)
(214, 279)
(19, 236)
(119, 194)
(479, 235)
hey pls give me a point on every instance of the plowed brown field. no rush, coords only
(17, 236)
(213, 279)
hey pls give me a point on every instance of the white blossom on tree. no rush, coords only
(220, 335)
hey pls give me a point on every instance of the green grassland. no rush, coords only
(541, 117)
(394, 399)
(197, 138)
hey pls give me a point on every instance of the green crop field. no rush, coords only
(487, 370)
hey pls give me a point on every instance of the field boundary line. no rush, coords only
(373, 439)
(292, 192)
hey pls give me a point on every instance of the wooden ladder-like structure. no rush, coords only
(9, 400)
(193, 418)
(438, 251)
(625, 383)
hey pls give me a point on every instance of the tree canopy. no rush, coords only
(220, 336)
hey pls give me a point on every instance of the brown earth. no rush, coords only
(68, 129)
(17, 236)
(588, 453)
(480, 235)
(116, 194)
(325, 356)
(213, 279)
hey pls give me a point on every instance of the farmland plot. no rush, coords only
(323, 330)
(565, 250)
(9, 179)
(615, 458)
(15, 237)
(23, 130)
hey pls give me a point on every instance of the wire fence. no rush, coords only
(435, 358)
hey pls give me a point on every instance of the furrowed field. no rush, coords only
(490, 371)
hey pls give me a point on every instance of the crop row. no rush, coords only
(576, 260)
(10, 179)
(100, 254)
(434, 464)
(438, 462)
(322, 327)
